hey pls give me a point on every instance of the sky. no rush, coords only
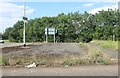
(12, 11)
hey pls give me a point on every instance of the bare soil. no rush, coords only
(47, 54)
(47, 48)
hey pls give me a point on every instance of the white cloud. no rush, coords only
(93, 11)
(10, 13)
(88, 4)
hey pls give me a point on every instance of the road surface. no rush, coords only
(94, 70)
(9, 44)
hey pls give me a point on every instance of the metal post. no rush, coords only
(46, 33)
(24, 42)
(24, 35)
(113, 35)
(46, 38)
(54, 37)
(54, 34)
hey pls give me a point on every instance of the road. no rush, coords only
(96, 70)
(9, 44)
(13, 44)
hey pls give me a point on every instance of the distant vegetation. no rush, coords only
(72, 27)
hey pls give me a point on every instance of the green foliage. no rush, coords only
(0, 61)
(84, 61)
(104, 61)
(44, 62)
(4, 61)
(72, 27)
(70, 62)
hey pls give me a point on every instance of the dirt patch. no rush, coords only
(13, 49)
(43, 49)
(48, 54)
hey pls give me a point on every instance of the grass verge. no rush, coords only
(108, 44)
(91, 57)
(95, 55)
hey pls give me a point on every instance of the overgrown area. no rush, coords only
(96, 55)
(72, 27)
(89, 55)
(108, 44)
(57, 61)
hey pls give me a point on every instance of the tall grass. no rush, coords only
(107, 44)
(95, 55)
(4, 61)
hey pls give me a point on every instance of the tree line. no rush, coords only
(72, 27)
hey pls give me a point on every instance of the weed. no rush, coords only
(4, 61)
(44, 62)
(104, 61)
(84, 61)
(70, 62)
(34, 58)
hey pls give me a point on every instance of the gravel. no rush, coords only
(46, 48)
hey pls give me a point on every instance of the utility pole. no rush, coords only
(114, 25)
(46, 38)
(46, 33)
(25, 19)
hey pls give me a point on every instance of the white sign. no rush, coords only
(51, 33)
(51, 29)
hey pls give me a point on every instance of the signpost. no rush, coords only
(25, 19)
(50, 31)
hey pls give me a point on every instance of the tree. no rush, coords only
(72, 27)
